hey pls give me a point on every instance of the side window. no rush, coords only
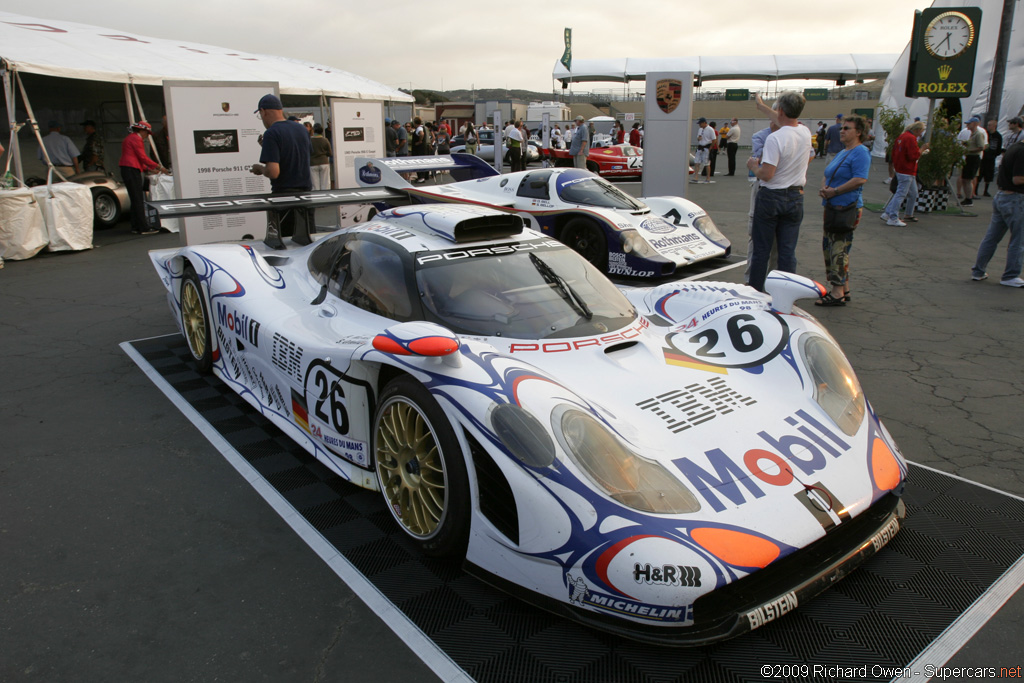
(323, 257)
(535, 185)
(372, 277)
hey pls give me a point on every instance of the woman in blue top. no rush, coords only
(841, 186)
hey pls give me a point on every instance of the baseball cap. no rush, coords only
(142, 125)
(1016, 120)
(579, 118)
(89, 122)
(702, 120)
(269, 102)
(974, 119)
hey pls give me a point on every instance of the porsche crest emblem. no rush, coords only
(226, 106)
(670, 92)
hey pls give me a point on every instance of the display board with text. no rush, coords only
(215, 140)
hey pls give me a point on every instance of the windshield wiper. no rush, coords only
(568, 293)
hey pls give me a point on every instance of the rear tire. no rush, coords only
(593, 168)
(106, 207)
(587, 240)
(421, 469)
(195, 321)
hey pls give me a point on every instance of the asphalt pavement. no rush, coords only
(130, 550)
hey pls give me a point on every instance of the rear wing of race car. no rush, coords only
(385, 172)
(295, 208)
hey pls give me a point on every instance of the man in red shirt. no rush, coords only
(905, 154)
(134, 163)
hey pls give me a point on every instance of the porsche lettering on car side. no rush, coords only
(677, 464)
(650, 237)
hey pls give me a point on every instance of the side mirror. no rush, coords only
(785, 288)
(427, 340)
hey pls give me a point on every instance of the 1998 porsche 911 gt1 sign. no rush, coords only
(677, 464)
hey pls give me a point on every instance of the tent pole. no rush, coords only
(323, 109)
(35, 129)
(142, 117)
(128, 104)
(15, 151)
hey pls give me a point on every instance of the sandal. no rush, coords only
(910, 219)
(829, 300)
(846, 297)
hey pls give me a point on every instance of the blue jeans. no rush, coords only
(906, 188)
(777, 218)
(1007, 214)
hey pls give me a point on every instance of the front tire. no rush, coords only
(587, 240)
(195, 321)
(420, 469)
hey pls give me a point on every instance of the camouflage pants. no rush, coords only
(836, 248)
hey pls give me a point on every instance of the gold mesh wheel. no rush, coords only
(421, 468)
(410, 468)
(195, 323)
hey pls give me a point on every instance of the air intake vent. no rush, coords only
(497, 503)
(488, 228)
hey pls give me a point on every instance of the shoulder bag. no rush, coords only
(840, 218)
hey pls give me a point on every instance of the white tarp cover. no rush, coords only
(161, 186)
(22, 232)
(719, 68)
(67, 215)
(61, 48)
(978, 103)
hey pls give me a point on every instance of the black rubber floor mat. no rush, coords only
(958, 539)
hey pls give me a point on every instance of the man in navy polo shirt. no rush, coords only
(286, 149)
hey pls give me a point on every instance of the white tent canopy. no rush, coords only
(749, 67)
(60, 48)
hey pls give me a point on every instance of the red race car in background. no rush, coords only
(617, 161)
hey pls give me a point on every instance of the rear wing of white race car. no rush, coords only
(386, 172)
(295, 207)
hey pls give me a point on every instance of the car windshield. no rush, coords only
(533, 290)
(593, 191)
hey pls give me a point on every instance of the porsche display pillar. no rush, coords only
(667, 112)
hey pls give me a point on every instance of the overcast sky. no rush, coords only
(447, 45)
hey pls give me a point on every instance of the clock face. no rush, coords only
(948, 35)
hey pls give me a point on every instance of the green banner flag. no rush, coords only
(566, 59)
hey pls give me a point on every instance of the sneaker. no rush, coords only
(1015, 282)
(887, 181)
(149, 231)
(709, 182)
(979, 278)
(896, 223)
(885, 217)
(967, 202)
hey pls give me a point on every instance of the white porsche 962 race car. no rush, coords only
(619, 234)
(677, 464)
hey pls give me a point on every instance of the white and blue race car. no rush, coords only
(676, 464)
(619, 234)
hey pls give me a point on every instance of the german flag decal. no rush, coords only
(673, 357)
(299, 410)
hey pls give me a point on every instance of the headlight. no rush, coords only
(523, 435)
(626, 477)
(836, 388)
(633, 243)
(709, 229)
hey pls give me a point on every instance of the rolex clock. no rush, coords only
(948, 35)
(943, 50)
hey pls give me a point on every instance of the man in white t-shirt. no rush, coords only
(705, 138)
(781, 173)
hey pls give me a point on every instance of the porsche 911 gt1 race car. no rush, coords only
(676, 464)
(649, 237)
(617, 161)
